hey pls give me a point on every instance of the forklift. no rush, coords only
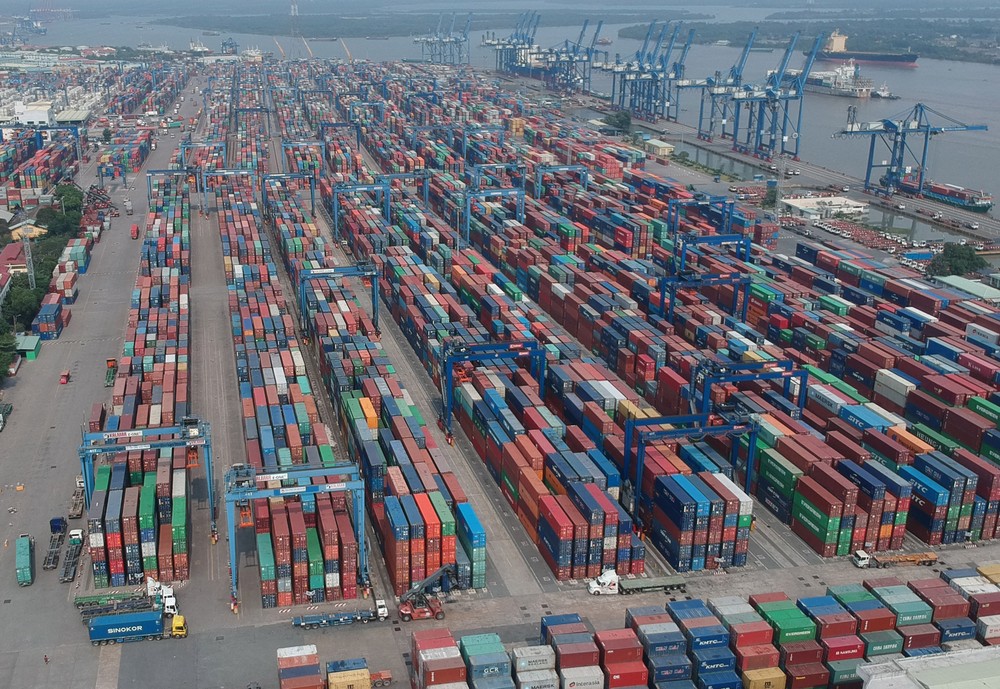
(420, 603)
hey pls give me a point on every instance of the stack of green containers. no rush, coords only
(316, 571)
(268, 572)
(882, 643)
(849, 593)
(479, 644)
(909, 608)
(178, 524)
(790, 624)
(102, 477)
(824, 527)
(147, 523)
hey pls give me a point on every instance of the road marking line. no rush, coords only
(108, 667)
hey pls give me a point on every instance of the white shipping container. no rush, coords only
(746, 502)
(331, 580)
(178, 488)
(538, 679)
(889, 330)
(587, 677)
(988, 627)
(531, 658)
(296, 651)
(894, 419)
(148, 549)
(978, 332)
(728, 610)
(725, 602)
(96, 540)
(961, 583)
(298, 362)
(890, 394)
(893, 381)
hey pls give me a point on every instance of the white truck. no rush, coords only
(609, 583)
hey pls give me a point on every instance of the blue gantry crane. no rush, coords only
(490, 171)
(773, 112)
(484, 194)
(718, 92)
(244, 484)
(906, 164)
(541, 170)
(689, 427)
(674, 77)
(512, 51)
(454, 352)
(365, 271)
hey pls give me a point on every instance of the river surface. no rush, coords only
(965, 92)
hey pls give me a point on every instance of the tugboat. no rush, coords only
(884, 93)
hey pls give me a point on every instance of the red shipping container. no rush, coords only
(842, 648)
(920, 635)
(807, 676)
(618, 646)
(836, 625)
(750, 634)
(631, 674)
(875, 620)
(801, 653)
(771, 597)
(577, 655)
(757, 657)
(442, 671)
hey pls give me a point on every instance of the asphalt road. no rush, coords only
(38, 454)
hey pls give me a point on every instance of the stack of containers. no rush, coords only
(750, 639)
(348, 674)
(130, 536)
(488, 666)
(983, 597)
(713, 664)
(950, 610)
(843, 650)
(299, 668)
(419, 509)
(622, 659)
(535, 667)
(436, 660)
(794, 632)
(876, 623)
(281, 424)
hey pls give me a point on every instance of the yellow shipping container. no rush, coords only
(349, 679)
(764, 678)
(908, 440)
(368, 409)
(990, 571)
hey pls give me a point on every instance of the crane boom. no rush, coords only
(280, 49)
(346, 50)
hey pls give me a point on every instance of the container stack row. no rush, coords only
(138, 521)
(306, 546)
(299, 668)
(417, 506)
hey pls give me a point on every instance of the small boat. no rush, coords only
(884, 93)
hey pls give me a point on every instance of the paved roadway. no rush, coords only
(225, 650)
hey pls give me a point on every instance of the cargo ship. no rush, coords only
(967, 199)
(845, 80)
(836, 50)
(604, 41)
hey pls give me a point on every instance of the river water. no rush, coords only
(964, 92)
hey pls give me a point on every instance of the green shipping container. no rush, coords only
(265, 555)
(882, 643)
(744, 521)
(24, 560)
(912, 613)
(820, 525)
(779, 471)
(767, 608)
(315, 551)
(844, 671)
(443, 513)
(791, 631)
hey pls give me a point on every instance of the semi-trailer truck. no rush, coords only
(864, 560)
(135, 626)
(609, 583)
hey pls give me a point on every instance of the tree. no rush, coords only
(956, 259)
(71, 197)
(620, 120)
(106, 135)
(770, 198)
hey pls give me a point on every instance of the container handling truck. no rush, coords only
(864, 560)
(135, 626)
(24, 555)
(337, 619)
(156, 596)
(609, 583)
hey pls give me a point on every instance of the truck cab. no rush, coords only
(135, 231)
(178, 627)
(381, 610)
(861, 559)
(605, 584)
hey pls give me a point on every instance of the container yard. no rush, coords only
(389, 331)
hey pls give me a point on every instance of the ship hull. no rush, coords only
(900, 59)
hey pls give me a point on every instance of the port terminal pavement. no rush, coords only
(38, 463)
